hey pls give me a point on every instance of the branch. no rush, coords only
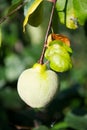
(12, 12)
(47, 33)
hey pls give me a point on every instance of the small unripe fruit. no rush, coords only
(59, 57)
(37, 86)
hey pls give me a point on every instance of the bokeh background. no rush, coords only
(18, 51)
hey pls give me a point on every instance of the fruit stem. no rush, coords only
(47, 33)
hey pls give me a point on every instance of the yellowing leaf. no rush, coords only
(32, 8)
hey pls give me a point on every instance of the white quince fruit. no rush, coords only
(37, 86)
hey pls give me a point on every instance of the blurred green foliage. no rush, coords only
(18, 51)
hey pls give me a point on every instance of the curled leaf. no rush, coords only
(58, 37)
(61, 38)
(58, 55)
(30, 10)
(56, 48)
(59, 63)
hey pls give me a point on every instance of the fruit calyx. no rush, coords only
(39, 67)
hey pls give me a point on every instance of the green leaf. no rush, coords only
(41, 128)
(76, 122)
(59, 58)
(68, 49)
(60, 125)
(56, 42)
(56, 49)
(10, 98)
(71, 18)
(15, 5)
(72, 12)
(30, 7)
(66, 13)
(13, 69)
(36, 17)
(16, 1)
(80, 8)
(61, 17)
(60, 5)
(59, 63)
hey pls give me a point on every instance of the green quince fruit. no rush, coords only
(37, 86)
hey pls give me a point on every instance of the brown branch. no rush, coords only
(11, 13)
(47, 33)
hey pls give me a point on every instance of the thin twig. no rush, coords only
(47, 33)
(12, 12)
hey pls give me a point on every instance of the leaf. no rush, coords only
(15, 5)
(32, 6)
(59, 63)
(59, 126)
(62, 44)
(61, 37)
(16, 1)
(76, 122)
(41, 128)
(10, 98)
(12, 69)
(36, 17)
(59, 57)
(72, 12)
(56, 49)
(60, 5)
(80, 8)
(66, 13)
(71, 18)
(69, 49)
